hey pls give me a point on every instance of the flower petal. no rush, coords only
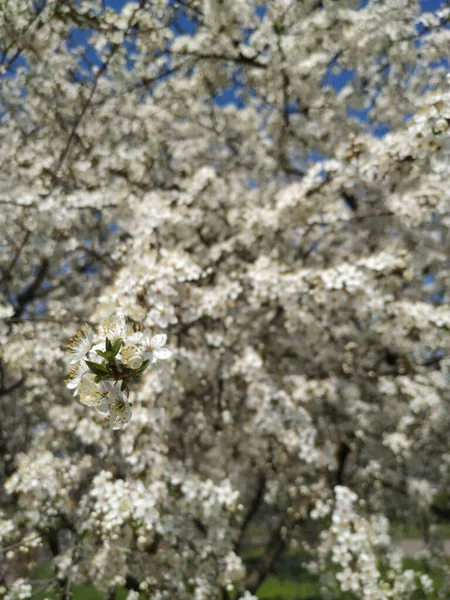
(119, 418)
(73, 383)
(162, 353)
(159, 340)
(102, 408)
(135, 337)
(91, 400)
(81, 344)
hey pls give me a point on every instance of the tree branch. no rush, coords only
(274, 548)
(30, 292)
(261, 485)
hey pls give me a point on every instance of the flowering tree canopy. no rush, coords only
(268, 187)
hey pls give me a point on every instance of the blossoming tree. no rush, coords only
(267, 186)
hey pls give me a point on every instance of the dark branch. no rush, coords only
(260, 487)
(30, 292)
(341, 455)
(274, 548)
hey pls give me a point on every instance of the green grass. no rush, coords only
(290, 581)
(412, 530)
(301, 588)
(82, 592)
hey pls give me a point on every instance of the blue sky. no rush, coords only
(427, 5)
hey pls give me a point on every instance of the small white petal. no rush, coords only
(73, 383)
(119, 416)
(91, 400)
(162, 353)
(102, 408)
(135, 361)
(135, 337)
(159, 340)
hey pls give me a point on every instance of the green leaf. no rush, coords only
(96, 368)
(102, 354)
(116, 346)
(143, 367)
(100, 378)
(109, 346)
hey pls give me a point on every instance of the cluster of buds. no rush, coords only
(106, 362)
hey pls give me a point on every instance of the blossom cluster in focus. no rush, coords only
(106, 362)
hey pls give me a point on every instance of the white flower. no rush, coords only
(92, 393)
(114, 330)
(135, 361)
(80, 344)
(131, 356)
(115, 406)
(154, 348)
(19, 590)
(441, 125)
(248, 596)
(427, 583)
(135, 337)
(75, 376)
(6, 311)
